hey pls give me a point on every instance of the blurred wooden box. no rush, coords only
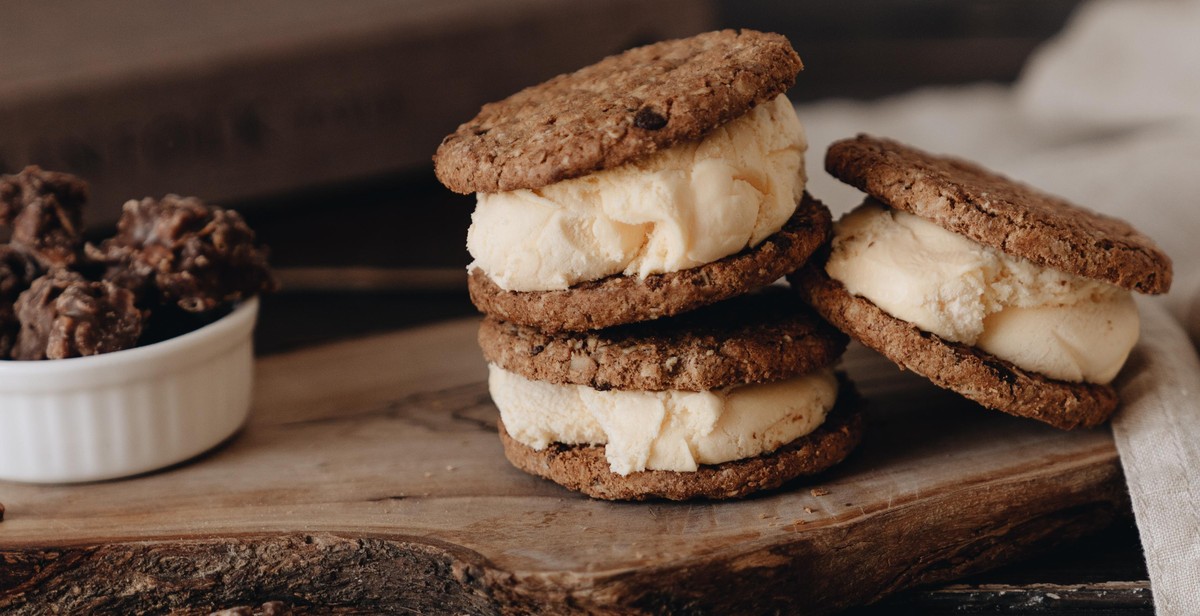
(232, 100)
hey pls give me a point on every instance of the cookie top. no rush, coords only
(756, 338)
(620, 299)
(583, 468)
(999, 212)
(620, 109)
(979, 376)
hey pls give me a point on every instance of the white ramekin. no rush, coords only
(124, 413)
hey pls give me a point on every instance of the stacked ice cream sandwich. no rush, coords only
(628, 218)
(1014, 298)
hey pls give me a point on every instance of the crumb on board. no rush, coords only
(428, 474)
(808, 510)
(819, 491)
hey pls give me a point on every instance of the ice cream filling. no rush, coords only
(1043, 320)
(664, 430)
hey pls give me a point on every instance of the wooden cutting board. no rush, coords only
(370, 478)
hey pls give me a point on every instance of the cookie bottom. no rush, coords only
(583, 468)
(979, 376)
(620, 299)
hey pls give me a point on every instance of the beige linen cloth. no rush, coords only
(1108, 115)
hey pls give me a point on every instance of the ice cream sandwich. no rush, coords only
(654, 182)
(628, 216)
(733, 398)
(1016, 299)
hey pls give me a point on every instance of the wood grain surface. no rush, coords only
(370, 479)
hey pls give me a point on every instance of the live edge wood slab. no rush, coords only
(370, 479)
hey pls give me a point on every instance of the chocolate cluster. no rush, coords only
(175, 263)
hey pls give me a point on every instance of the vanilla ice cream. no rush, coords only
(1043, 320)
(663, 430)
(682, 207)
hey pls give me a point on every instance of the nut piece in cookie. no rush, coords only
(184, 252)
(63, 315)
(1014, 298)
(653, 163)
(45, 212)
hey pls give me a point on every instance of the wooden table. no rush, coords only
(370, 476)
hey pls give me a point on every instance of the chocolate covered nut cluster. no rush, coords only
(63, 315)
(45, 212)
(188, 253)
(60, 298)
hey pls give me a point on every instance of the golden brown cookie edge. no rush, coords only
(970, 372)
(696, 351)
(620, 299)
(540, 135)
(1033, 225)
(583, 468)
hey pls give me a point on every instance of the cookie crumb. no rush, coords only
(818, 491)
(428, 474)
(808, 510)
(451, 467)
